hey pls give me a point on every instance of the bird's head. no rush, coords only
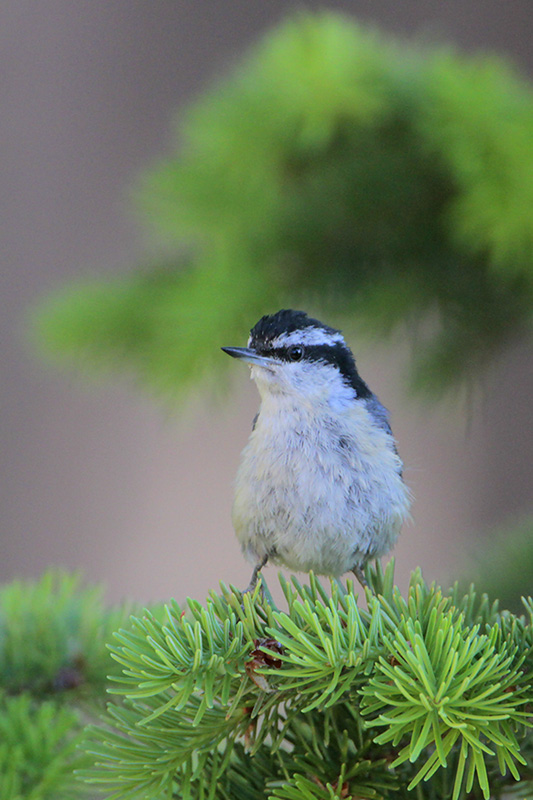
(292, 354)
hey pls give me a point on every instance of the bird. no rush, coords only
(320, 483)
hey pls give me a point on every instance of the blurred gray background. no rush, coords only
(100, 478)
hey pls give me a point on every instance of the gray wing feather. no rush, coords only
(378, 412)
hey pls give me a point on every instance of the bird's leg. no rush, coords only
(360, 575)
(255, 575)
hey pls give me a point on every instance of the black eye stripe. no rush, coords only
(329, 354)
(338, 355)
(285, 353)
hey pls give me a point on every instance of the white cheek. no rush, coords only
(302, 382)
(341, 398)
(264, 378)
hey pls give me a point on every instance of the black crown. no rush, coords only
(285, 321)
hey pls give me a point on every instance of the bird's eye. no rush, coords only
(295, 352)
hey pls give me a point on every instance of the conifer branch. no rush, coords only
(326, 699)
(53, 667)
(383, 180)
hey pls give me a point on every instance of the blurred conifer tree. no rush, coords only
(374, 181)
(53, 671)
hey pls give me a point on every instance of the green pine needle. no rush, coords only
(326, 699)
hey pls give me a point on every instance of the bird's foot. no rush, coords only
(359, 573)
(255, 577)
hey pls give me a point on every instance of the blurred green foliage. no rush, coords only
(374, 181)
(39, 750)
(501, 564)
(53, 670)
(53, 635)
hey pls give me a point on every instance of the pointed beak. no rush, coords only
(249, 356)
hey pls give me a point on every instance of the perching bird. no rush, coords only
(319, 486)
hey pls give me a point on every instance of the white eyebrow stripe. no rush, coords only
(310, 336)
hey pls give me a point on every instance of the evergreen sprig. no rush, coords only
(53, 635)
(326, 699)
(53, 667)
(39, 750)
(373, 180)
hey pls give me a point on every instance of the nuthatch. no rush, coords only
(320, 485)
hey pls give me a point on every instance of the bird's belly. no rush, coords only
(309, 506)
